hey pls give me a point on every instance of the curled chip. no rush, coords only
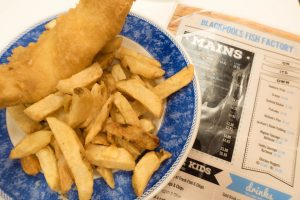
(133, 134)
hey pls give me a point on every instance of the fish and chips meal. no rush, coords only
(87, 104)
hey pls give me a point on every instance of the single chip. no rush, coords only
(125, 109)
(65, 176)
(133, 134)
(22, 120)
(144, 69)
(72, 150)
(142, 94)
(81, 106)
(31, 144)
(49, 166)
(83, 78)
(44, 107)
(144, 170)
(123, 51)
(110, 157)
(97, 125)
(107, 175)
(175, 82)
(30, 165)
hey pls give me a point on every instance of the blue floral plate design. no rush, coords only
(177, 131)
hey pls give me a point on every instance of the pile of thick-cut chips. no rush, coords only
(99, 120)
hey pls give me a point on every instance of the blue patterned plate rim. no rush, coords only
(176, 165)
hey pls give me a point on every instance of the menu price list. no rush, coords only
(273, 140)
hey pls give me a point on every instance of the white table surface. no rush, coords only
(17, 15)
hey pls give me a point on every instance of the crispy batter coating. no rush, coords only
(70, 46)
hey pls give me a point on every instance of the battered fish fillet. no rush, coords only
(34, 71)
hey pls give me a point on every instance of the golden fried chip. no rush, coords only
(110, 157)
(72, 150)
(133, 134)
(123, 51)
(44, 107)
(145, 96)
(65, 176)
(175, 82)
(145, 168)
(81, 79)
(31, 144)
(49, 166)
(100, 95)
(81, 106)
(96, 126)
(144, 69)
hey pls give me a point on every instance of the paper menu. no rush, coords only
(248, 140)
